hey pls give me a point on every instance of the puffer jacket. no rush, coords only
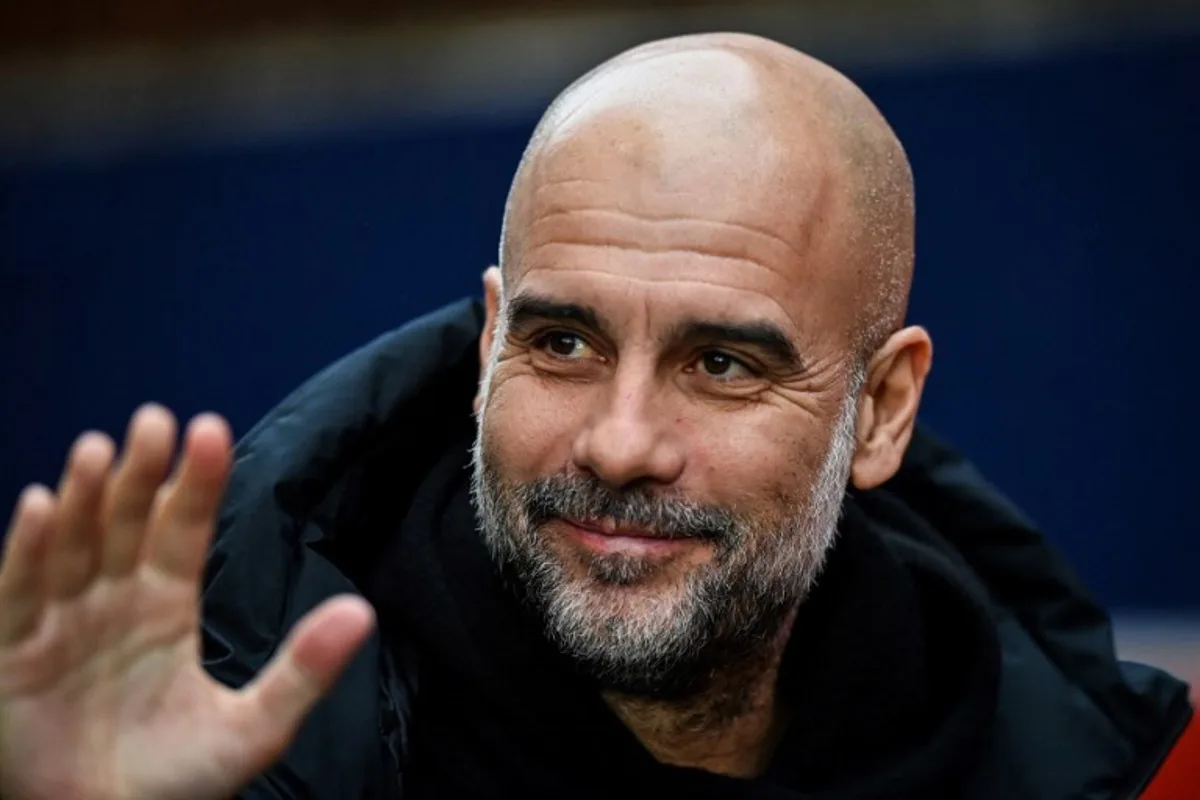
(322, 481)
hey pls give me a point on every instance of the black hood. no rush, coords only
(890, 675)
(323, 483)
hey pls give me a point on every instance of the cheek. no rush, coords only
(529, 426)
(753, 456)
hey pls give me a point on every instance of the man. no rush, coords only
(635, 568)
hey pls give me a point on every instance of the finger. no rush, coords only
(22, 578)
(145, 460)
(311, 659)
(74, 550)
(178, 540)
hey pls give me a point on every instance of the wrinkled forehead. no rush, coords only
(709, 188)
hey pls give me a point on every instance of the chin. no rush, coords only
(624, 573)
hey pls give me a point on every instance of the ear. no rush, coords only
(888, 407)
(492, 290)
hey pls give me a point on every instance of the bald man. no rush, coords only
(653, 519)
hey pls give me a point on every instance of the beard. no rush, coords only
(661, 641)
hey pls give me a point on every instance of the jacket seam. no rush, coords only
(1149, 765)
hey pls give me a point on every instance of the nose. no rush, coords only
(630, 437)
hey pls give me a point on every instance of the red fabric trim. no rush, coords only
(1179, 776)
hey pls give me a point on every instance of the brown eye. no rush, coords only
(716, 364)
(563, 344)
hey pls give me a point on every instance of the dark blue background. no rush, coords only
(1057, 271)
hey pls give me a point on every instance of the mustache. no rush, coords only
(584, 497)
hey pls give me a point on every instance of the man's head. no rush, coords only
(693, 342)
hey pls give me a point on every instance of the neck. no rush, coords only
(731, 727)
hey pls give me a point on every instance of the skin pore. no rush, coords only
(693, 343)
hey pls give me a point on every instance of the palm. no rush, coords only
(112, 677)
(101, 690)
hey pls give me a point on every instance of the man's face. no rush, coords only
(668, 412)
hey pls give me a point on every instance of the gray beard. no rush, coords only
(663, 643)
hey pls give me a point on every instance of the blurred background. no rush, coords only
(204, 203)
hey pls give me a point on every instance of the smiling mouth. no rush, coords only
(608, 527)
(603, 537)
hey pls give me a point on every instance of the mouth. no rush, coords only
(604, 536)
(606, 526)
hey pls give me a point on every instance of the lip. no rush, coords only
(603, 538)
(606, 527)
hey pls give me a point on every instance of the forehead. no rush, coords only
(688, 211)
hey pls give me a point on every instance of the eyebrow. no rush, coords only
(763, 336)
(527, 308)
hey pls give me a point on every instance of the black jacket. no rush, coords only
(321, 482)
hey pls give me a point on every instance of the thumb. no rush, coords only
(306, 666)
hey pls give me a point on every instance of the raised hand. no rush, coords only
(102, 694)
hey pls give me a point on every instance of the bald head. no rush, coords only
(706, 258)
(764, 136)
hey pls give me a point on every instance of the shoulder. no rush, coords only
(306, 507)
(1111, 722)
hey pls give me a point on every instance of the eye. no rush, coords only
(722, 366)
(563, 344)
